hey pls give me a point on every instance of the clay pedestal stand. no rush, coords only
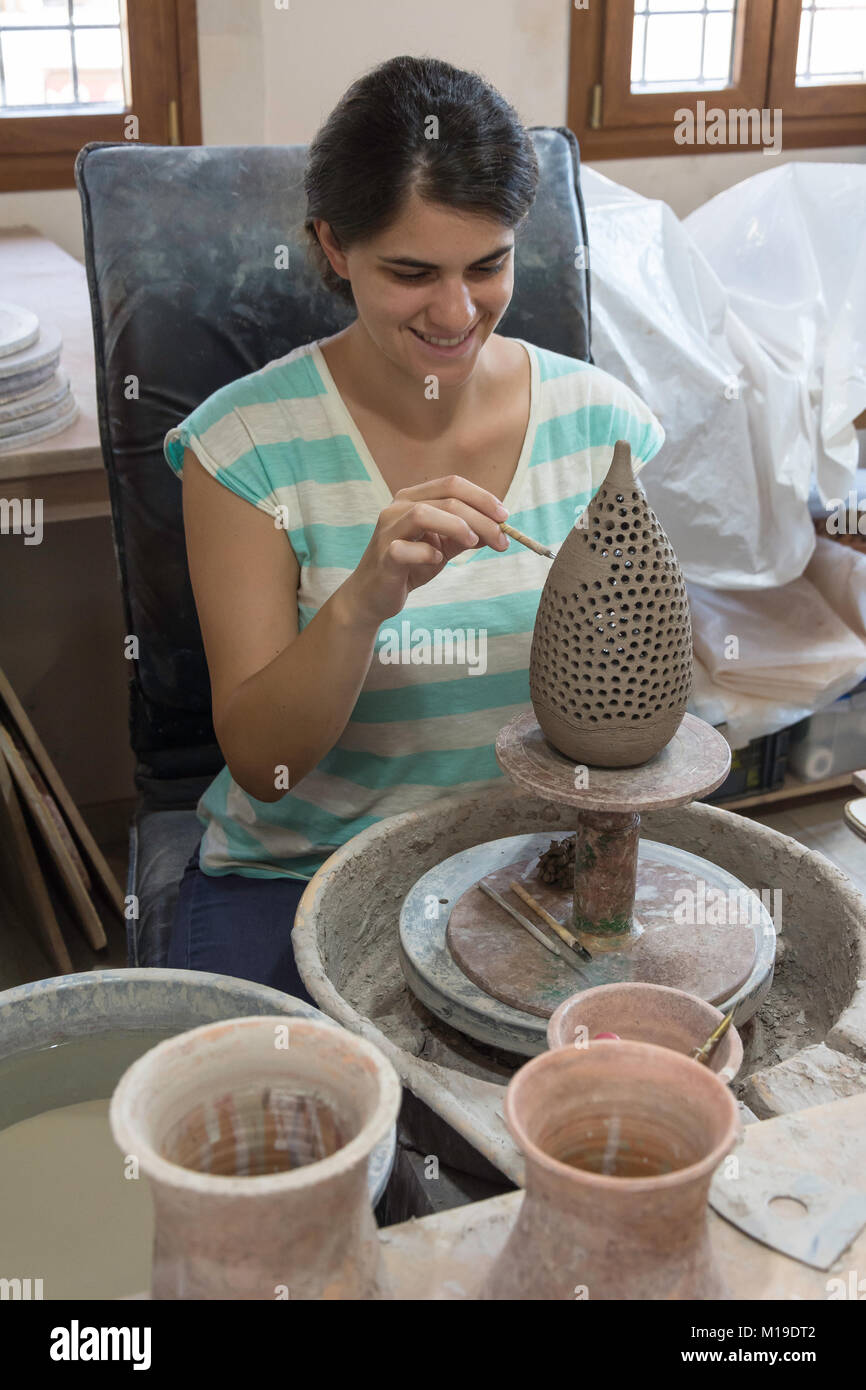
(647, 912)
(709, 958)
(608, 802)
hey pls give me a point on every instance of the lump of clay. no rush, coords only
(610, 671)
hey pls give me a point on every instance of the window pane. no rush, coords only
(96, 11)
(832, 42)
(717, 47)
(673, 48)
(804, 42)
(38, 68)
(49, 61)
(637, 54)
(688, 45)
(100, 65)
(665, 6)
(19, 12)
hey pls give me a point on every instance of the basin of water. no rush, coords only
(73, 1213)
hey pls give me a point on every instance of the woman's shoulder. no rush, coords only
(283, 380)
(603, 406)
(585, 378)
(234, 429)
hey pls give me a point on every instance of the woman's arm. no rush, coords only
(280, 697)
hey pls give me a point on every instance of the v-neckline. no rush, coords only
(383, 493)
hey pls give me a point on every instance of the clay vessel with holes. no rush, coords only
(610, 671)
(621, 1141)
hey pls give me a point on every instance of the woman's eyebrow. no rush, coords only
(430, 265)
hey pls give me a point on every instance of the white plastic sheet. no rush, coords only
(767, 658)
(744, 328)
(790, 248)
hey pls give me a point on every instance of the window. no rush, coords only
(653, 77)
(72, 71)
(682, 45)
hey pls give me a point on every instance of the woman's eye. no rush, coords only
(479, 270)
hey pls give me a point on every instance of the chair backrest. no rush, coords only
(181, 250)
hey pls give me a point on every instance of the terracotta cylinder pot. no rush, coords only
(646, 1013)
(581, 1234)
(255, 1135)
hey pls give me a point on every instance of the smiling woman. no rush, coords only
(358, 478)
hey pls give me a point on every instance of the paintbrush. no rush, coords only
(529, 926)
(562, 932)
(704, 1053)
(527, 541)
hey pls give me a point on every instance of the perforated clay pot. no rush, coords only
(610, 670)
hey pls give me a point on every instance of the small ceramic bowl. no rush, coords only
(646, 1013)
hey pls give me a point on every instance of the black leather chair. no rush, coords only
(180, 256)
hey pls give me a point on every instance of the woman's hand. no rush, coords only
(416, 535)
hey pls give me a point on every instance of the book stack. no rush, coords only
(35, 396)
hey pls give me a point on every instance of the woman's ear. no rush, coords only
(331, 247)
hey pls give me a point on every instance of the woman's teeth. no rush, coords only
(443, 342)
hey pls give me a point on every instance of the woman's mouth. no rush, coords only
(438, 346)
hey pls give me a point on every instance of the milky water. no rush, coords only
(68, 1215)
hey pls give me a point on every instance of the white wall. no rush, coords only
(270, 76)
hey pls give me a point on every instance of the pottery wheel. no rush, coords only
(672, 949)
(503, 959)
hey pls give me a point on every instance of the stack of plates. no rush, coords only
(35, 399)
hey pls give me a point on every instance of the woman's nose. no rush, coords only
(452, 308)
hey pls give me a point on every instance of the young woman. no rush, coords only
(366, 623)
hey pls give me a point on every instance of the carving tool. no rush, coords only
(527, 541)
(704, 1053)
(529, 926)
(562, 932)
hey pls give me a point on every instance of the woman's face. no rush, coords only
(434, 274)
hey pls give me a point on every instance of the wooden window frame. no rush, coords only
(612, 122)
(38, 151)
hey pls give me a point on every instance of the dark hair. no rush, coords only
(372, 152)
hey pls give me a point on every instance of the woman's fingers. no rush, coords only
(403, 552)
(456, 486)
(451, 519)
(482, 509)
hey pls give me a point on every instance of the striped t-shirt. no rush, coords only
(452, 667)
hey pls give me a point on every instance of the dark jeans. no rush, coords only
(237, 926)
